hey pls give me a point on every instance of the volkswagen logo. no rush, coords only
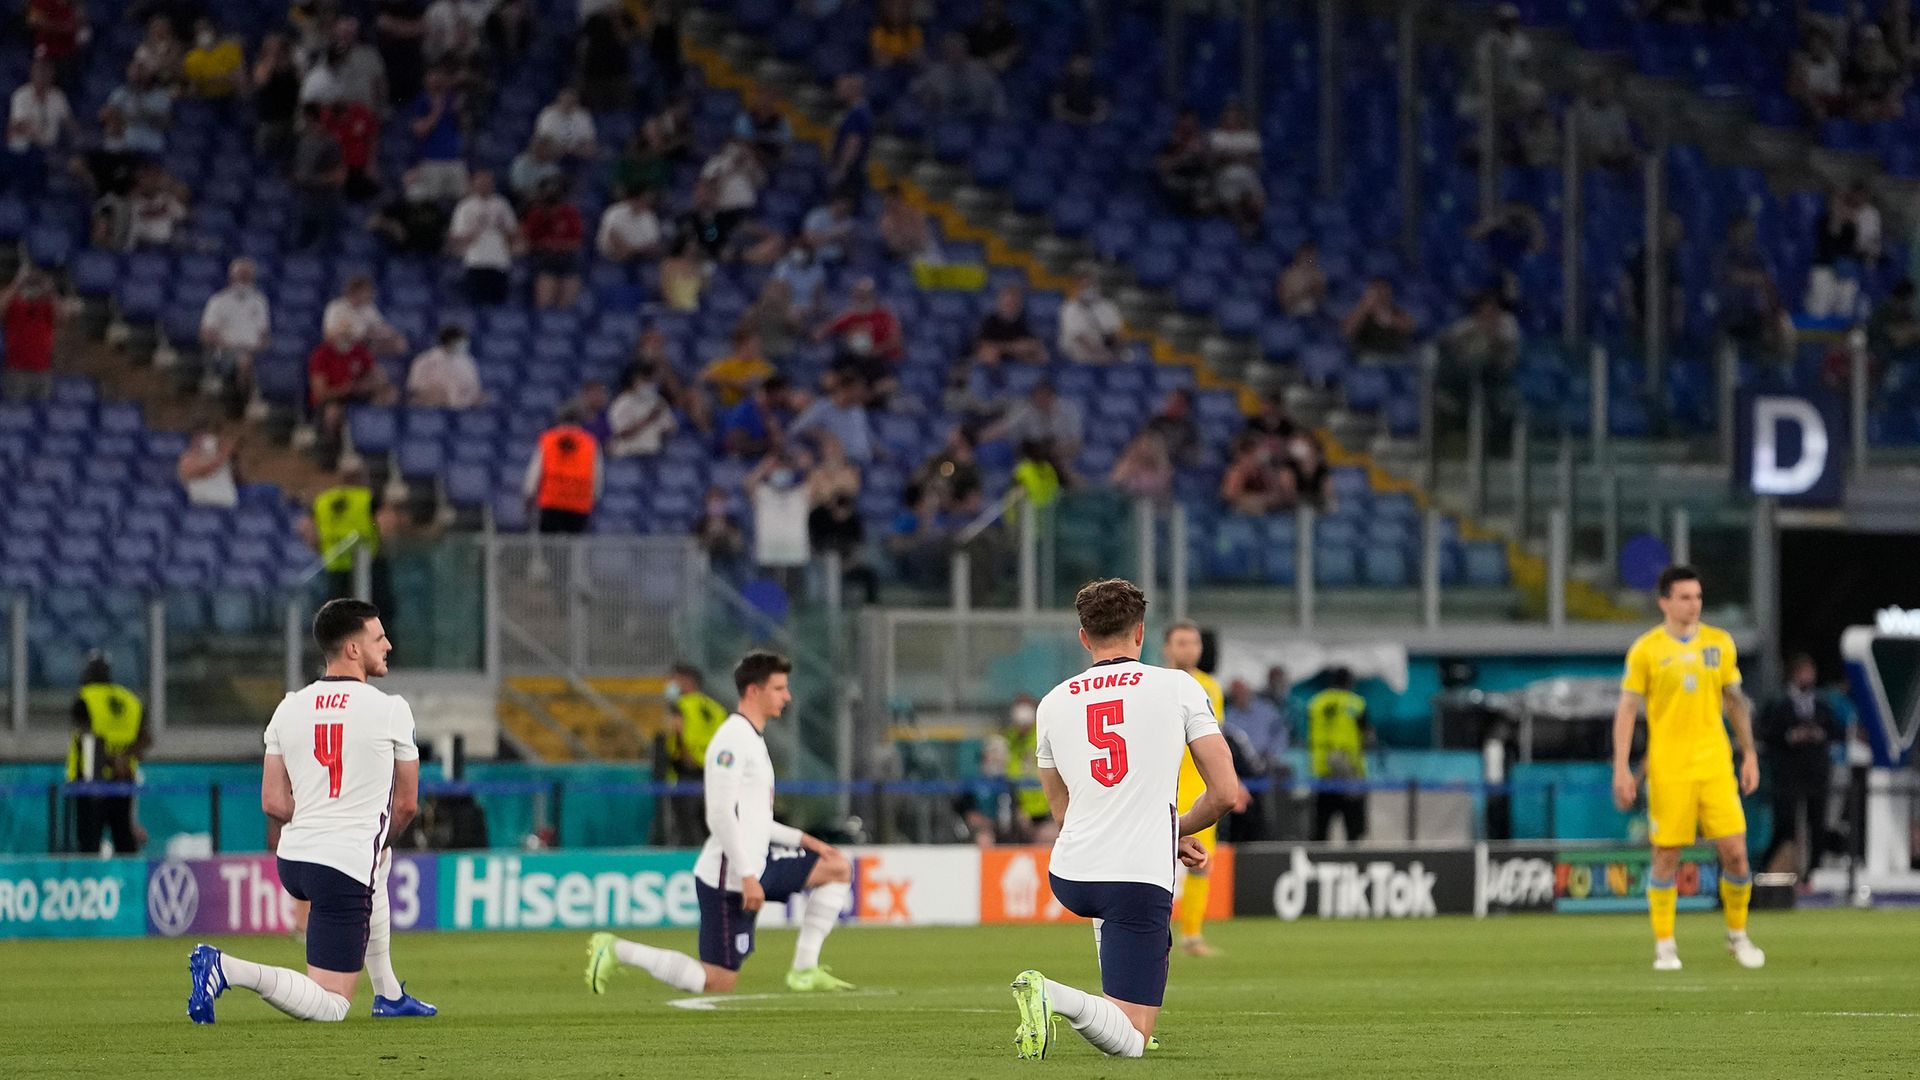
(173, 898)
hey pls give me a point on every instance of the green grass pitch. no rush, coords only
(1530, 996)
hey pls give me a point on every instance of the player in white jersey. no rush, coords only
(749, 859)
(1111, 741)
(341, 775)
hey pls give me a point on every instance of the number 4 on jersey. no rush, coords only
(327, 740)
(1102, 717)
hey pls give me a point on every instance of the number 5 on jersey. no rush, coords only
(327, 739)
(1102, 718)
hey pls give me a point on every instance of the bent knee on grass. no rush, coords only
(720, 980)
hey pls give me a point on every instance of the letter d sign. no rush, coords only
(1792, 447)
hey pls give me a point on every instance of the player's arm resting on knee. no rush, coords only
(1733, 701)
(406, 796)
(1215, 763)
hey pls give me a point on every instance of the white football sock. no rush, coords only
(674, 969)
(1100, 1021)
(817, 920)
(380, 934)
(289, 991)
(1097, 924)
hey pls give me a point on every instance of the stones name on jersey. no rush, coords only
(1111, 681)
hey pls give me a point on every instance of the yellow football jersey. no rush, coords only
(1681, 682)
(1190, 783)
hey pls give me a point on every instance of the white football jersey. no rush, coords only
(340, 738)
(739, 799)
(1116, 732)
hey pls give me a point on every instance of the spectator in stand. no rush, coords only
(1510, 234)
(356, 314)
(483, 233)
(205, 468)
(591, 405)
(993, 38)
(1176, 428)
(568, 126)
(1606, 135)
(565, 477)
(1301, 288)
(37, 116)
(1752, 316)
(733, 377)
(1814, 79)
(1234, 148)
(110, 171)
(773, 319)
(904, 229)
(836, 528)
(960, 86)
(852, 138)
(1257, 482)
(435, 122)
(718, 532)
(29, 317)
(867, 340)
(1846, 240)
(1262, 720)
(833, 476)
(531, 168)
(358, 133)
(1038, 473)
(1078, 98)
(1090, 325)
(829, 229)
(555, 235)
(451, 37)
(805, 278)
(60, 30)
(952, 475)
(159, 52)
(341, 373)
(215, 68)
(705, 224)
(276, 97)
(1043, 416)
(1875, 82)
(629, 230)
(1306, 459)
(1143, 470)
(1485, 343)
(236, 327)
(777, 491)
(1273, 420)
(1378, 325)
(155, 208)
(640, 418)
(896, 40)
(764, 126)
(756, 425)
(319, 177)
(359, 74)
(411, 223)
(920, 539)
(507, 34)
(683, 274)
(842, 414)
(735, 175)
(147, 105)
(445, 376)
(605, 60)
(1893, 335)
(1183, 165)
(1513, 60)
(399, 32)
(651, 353)
(1004, 333)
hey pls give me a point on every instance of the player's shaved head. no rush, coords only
(1109, 608)
(339, 621)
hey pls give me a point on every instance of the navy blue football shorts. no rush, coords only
(1136, 934)
(341, 917)
(726, 928)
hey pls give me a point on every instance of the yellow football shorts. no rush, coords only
(1682, 811)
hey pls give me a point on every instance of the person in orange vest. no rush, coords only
(564, 478)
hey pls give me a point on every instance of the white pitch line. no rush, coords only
(711, 1003)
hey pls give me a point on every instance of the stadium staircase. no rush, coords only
(967, 211)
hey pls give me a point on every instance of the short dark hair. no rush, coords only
(687, 670)
(1673, 575)
(338, 620)
(755, 668)
(1340, 678)
(1109, 607)
(1179, 624)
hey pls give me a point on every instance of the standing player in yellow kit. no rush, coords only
(1181, 649)
(1687, 674)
